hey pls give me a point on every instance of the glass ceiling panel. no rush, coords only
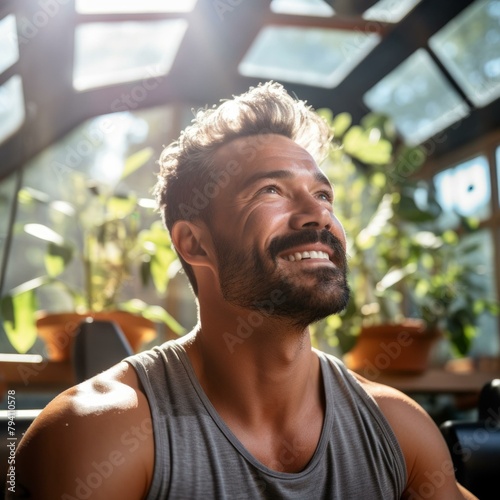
(469, 48)
(418, 98)
(11, 107)
(390, 11)
(302, 7)
(108, 53)
(133, 6)
(464, 190)
(9, 54)
(311, 56)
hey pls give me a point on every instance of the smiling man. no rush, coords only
(242, 407)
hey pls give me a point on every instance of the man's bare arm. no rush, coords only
(94, 440)
(428, 462)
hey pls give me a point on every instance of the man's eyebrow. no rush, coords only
(321, 178)
(283, 174)
(273, 174)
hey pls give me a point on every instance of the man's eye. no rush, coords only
(270, 189)
(323, 195)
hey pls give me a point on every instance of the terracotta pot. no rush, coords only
(58, 330)
(402, 347)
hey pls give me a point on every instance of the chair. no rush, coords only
(98, 345)
(475, 446)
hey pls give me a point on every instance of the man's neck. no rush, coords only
(254, 368)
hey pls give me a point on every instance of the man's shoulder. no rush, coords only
(114, 391)
(91, 429)
(112, 398)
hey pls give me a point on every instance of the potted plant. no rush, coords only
(409, 275)
(107, 248)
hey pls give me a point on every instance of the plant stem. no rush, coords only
(87, 267)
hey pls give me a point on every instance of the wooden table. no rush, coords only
(437, 381)
(32, 373)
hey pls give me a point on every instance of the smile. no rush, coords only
(296, 256)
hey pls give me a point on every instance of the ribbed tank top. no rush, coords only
(198, 457)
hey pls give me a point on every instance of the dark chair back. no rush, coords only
(475, 446)
(98, 345)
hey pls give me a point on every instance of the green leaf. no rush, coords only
(340, 124)
(18, 314)
(136, 161)
(408, 161)
(451, 238)
(119, 207)
(360, 145)
(409, 210)
(377, 223)
(160, 262)
(156, 234)
(153, 313)
(394, 276)
(57, 258)
(326, 114)
(379, 180)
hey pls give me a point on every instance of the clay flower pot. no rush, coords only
(402, 347)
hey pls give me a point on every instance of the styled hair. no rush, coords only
(187, 165)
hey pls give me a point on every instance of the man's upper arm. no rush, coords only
(93, 441)
(430, 472)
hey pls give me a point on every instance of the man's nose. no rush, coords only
(310, 212)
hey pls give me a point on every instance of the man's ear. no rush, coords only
(189, 240)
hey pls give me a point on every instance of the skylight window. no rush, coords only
(418, 98)
(468, 46)
(465, 190)
(133, 6)
(11, 107)
(8, 41)
(311, 56)
(390, 11)
(302, 7)
(109, 53)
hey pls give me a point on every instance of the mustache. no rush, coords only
(281, 243)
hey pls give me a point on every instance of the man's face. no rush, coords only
(274, 230)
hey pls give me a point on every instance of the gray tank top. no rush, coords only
(198, 457)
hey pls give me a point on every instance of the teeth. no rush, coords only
(306, 255)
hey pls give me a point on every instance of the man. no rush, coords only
(242, 407)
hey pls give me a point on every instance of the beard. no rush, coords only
(250, 280)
